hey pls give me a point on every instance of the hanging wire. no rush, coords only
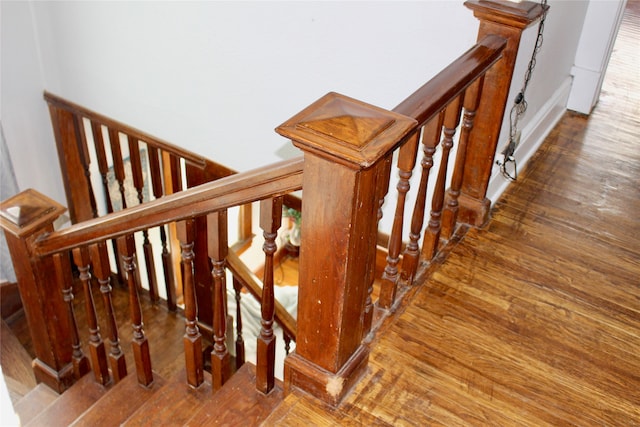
(520, 105)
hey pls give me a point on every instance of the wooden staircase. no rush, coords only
(166, 402)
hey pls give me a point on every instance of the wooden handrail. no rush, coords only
(252, 283)
(438, 92)
(273, 180)
(189, 157)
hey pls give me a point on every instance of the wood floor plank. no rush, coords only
(535, 319)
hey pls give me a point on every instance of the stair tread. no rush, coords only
(119, 402)
(71, 404)
(15, 360)
(34, 402)
(239, 401)
(175, 401)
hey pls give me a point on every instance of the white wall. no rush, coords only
(600, 28)
(24, 115)
(549, 86)
(217, 77)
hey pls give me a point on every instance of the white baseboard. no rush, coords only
(533, 135)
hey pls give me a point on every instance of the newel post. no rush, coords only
(24, 217)
(508, 20)
(345, 144)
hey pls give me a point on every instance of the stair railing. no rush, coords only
(87, 241)
(348, 147)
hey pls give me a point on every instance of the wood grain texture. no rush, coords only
(119, 403)
(238, 403)
(535, 319)
(70, 405)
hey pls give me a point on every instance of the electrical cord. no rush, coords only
(520, 105)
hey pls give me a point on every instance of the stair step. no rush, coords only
(238, 402)
(175, 402)
(15, 361)
(70, 404)
(34, 402)
(119, 402)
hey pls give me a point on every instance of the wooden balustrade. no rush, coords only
(348, 150)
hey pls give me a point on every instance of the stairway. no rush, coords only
(167, 402)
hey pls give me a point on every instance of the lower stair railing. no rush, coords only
(348, 147)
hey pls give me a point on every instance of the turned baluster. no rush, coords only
(96, 345)
(139, 341)
(192, 337)
(240, 355)
(218, 247)
(81, 137)
(382, 187)
(167, 265)
(270, 220)
(102, 270)
(287, 343)
(63, 275)
(176, 173)
(430, 139)
(471, 102)
(406, 163)
(432, 234)
(138, 183)
(118, 164)
(103, 167)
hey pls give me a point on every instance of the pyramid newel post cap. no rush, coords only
(347, 131)
(27, 212)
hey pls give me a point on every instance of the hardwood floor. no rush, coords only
(535, 319)
(531, 321)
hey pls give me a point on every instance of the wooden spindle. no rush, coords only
(240, 353)
(382, 187)
(139, 342)
(63, 275)
(471, 102)
(103, 167)
(167, 264)
(192, 337)
(118, 164)
(430, 139)
(218, 248)
(270, 220)
(138, 183)
(432, 234)
(81, 137)
(102, 270)
(96, 345)
(101, 157)
(287, 343)
(176, 174)
(406, 163)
